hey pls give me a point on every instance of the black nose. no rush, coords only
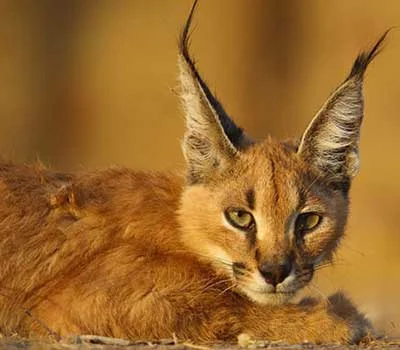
(275, 274)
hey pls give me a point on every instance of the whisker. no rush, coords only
(313, 286)
(246, 279)
(307, 190)
(227, 289)
(329, 264)
(213, 259)
(319, 268)
(355, 250)
(303, 274)
(208, 287)
(215, 284)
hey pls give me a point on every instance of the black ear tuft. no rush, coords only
(184, 39)
(234, 133)
(365, 58)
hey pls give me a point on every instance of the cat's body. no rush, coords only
(84, 255)
(220, 252)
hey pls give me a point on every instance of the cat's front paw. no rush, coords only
(359, 327)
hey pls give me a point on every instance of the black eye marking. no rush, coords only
(251, 199)
(251, 237)
(257, 255)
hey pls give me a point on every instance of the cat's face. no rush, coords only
(266, 223)
(267, 214)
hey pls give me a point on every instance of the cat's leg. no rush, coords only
(335, 320)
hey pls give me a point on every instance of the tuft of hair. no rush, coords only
(184, 40)
(365, 58)
(233, 132)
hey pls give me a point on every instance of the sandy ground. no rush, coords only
(103, 343)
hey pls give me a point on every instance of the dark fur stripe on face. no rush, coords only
(251, 200)
(252, 237)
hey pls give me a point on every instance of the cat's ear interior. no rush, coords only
(330, 142)
(212, 139)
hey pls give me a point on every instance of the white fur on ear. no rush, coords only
(205, 144)
(330, 142)
(211, 139)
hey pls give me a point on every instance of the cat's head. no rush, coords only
(268, 214)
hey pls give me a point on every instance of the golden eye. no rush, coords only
(307, 222)
(240, 218)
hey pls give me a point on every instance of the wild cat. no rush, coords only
(135, 254)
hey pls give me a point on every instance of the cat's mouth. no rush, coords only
(255, 287)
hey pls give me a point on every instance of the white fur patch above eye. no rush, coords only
(264, 227)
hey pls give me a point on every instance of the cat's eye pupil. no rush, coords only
(307, 222)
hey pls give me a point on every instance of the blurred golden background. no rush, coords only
(87, 84)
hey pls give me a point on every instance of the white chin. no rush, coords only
(268, 298)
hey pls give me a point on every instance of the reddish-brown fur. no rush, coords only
(148, 255)
(101, 253)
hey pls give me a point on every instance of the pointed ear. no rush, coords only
(211, 140)
(330, 143)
